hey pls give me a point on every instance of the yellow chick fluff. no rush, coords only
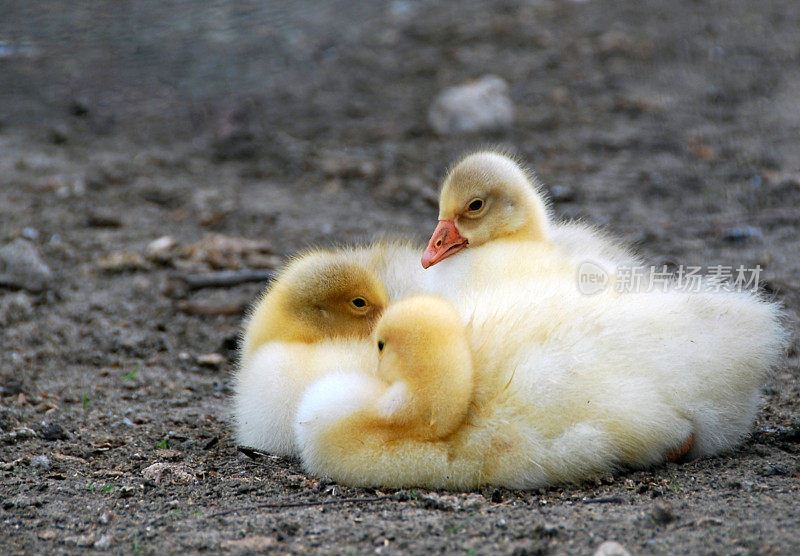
(313, 319)
(540, 392)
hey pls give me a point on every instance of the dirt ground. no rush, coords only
(244, 131)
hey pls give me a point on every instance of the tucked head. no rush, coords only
(485, 196)
(423, 348)
(418, 333)
(319, 295)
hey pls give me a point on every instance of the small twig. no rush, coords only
(281, 505)
(225, 278)
(251, 453)
(258, 455)
(211, 443)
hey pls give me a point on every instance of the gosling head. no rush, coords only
(319, 295)
(422, 342)
(486, 196)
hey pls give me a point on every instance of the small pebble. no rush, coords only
(211, 360)
(126, 492)
(611, 548)
(106, 518)
(53, 431)
(159, 248)
(103, 542)
(21, 433)
(21, 266)
(41, 462)
(48, 535)
(546, 530)
(742, 234)
(30, 233)
(177, 472)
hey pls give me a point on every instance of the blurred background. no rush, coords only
(636, 100)
(675, 125)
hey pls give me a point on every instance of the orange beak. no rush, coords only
(444, 242)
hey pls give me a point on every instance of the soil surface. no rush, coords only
(243, 131)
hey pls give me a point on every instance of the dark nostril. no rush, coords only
(438, 243)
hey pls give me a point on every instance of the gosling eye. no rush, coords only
(475, 204)
(380, 346)
(358, 302)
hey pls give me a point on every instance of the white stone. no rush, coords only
(22, 267)
(41, 462)
(611, 548)
(474, 107)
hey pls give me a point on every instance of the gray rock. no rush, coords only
(126, 491)
(103, 542)
(22, 267)
(742, 234)
(125, 423)
(53, 431)
(22, 433)
(106, 518)
(474, 107)
(41, 462)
